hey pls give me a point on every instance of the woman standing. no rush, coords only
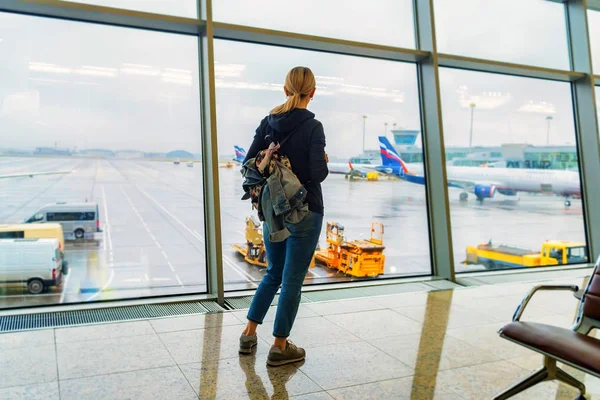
(289, 259)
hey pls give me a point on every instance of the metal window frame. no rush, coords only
(426, 59)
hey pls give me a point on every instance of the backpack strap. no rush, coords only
(289, 135)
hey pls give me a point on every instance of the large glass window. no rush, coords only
(506, 211)
(531, 32)
(179, 8)
(112, 114)
(594, 34)
(358, 100)
(389, 22)
(598, 103)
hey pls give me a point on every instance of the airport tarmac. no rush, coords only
(153, 240)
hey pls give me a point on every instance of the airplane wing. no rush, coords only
(32, 174)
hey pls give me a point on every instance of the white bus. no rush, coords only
(78, 220)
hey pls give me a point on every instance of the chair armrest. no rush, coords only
(521, 308)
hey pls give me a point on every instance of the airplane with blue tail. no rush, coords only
(240, 154)
(484, 182)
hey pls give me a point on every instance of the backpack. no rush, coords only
(254, 181)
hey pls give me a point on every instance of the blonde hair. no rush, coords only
(299, 82)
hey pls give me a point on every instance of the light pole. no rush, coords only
(385, 124)
(364, 130)
(549, 119)
(472, 106)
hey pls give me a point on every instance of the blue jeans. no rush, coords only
(288, 264)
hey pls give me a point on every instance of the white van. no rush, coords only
(36, 263)
(78, 220)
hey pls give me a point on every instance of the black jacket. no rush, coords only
(305, 149)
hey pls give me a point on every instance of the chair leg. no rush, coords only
(570, 380)
(532, 380)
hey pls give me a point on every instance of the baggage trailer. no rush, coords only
(553, 252)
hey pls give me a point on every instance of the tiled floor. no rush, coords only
(440, 345)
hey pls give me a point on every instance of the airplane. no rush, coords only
(334, 168)
(361, 169)
(240, 154)
(32, 174)
(484, 183)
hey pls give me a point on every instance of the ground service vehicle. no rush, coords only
(36, 263)
(357, 258)
(78, 220)
(553, 252)
(34, 231)
(254, 249)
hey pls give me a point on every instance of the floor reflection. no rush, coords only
(439, 345)
(431, 345)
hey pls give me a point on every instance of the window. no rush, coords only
(389, 23)
(347, 91)
(529, 32)
(70, 216)
(12, 235)
(179, 8)
(579, 252)
(109, 109)
(515, 211)
(35, 218)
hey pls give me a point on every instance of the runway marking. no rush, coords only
(155, 241)
(179, 280)
(197, 235)
(112, 275)
(315, 274)
(193, 233)
(132, 280)
(239, 271)
(107, 229)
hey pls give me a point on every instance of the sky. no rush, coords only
(83, 85)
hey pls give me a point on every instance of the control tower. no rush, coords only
(405, 138)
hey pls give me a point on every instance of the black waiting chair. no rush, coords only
(572, 346)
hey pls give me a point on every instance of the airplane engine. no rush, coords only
(508, 192)
(484, 191)
(385, 170)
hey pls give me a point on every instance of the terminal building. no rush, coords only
(52, 151)
(508, 155)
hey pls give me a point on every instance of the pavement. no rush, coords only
(153, 240)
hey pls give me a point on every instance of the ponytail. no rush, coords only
(299, 83)
(291, 103)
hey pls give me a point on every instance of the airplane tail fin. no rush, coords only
(390, 157)
(240, 154)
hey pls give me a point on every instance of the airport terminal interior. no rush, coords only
(459, 255)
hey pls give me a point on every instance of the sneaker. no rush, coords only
(291, 354)
(247, 343)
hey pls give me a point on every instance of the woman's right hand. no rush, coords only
(272, 149)
(267, 158)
